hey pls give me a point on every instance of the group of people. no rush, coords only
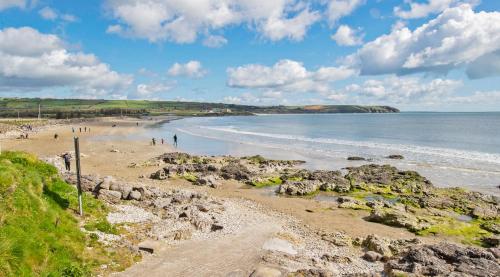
(153, 140)
(85, 129)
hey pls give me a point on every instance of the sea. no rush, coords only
(450, 149)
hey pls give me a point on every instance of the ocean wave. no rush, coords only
(435, 151)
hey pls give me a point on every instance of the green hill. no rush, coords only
(71, 108)
(39, 231)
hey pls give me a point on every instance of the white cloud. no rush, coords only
(346, 36)
(151, 91)
(286, 76)
(214, 41)
(182, 21)
(485, 66)
(419, 9)
(478, 98)
(48, 13)
(22, 4)
(192, 69)
(337, 9)
(455, 38)
(30, 60)
(401, 90)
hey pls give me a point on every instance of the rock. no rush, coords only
(235, 171)
(444, 259)
(183, 234)
(106, 182)
(149, 246)
(114, 151)
(263, 271)
(135, 195)
(216, 227)
(491, 241)
(125, 189)
(342, 187)
(372, 256)
(330, 180)
(313, 272)
(346, 202)
(377, 244)
(495, 252)
(397, 218)
(395, 157)
(336, 259)
(299, 188)
(109, 196)
(355, 158)
(486, 211)
(209, 180)
(338, 239)
(388, 176)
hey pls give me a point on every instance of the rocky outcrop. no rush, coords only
(444, 260)
(299, 188)
(398, 218)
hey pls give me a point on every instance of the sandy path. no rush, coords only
(236, 255)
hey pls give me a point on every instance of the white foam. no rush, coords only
(435, 151)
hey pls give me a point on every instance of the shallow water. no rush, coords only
(451, 149)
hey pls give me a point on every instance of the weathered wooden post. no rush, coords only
(78, 177)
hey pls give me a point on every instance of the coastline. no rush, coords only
(114, 157)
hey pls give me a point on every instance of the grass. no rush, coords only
(39, 231)
(465, 232)
(273, 181)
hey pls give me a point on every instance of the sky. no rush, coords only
(416, 55)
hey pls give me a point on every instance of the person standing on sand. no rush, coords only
(80, 129)
(85, 129)
(154, 141)
(162, 141)
(175, 140)
(56, 136)
(67, 161)
(73, 129)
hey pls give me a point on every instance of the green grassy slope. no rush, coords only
(39, 231)
(69, 108)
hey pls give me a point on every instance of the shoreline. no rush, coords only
(113, 158)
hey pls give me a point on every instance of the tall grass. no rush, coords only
(40, 233)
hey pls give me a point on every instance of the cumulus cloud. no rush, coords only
(485, 66)
(424, 9)
(182, 22)
(405, 90)
(346, 36)
(30, 60)
(286, 76)
(214, 41)
(337, 9)
(191, 69)
(151, 90)
(5, 4)
(455, 38)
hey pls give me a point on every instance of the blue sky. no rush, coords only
(412, 54)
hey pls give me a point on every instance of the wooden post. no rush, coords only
(78, 177)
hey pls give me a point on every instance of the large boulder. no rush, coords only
(209, 180)
(377, 244)
(299, 188)
(444, 259)
(398, 218)
(109, 196)
(330, 180)
(123, 188)
(236, 171)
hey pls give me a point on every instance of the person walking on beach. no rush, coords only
(85, 129)
(80, 129)
(175, 140)
(67, 161)
(56, 136)
(73, 129)
(162, 141)
(154, 141)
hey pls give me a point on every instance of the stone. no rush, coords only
(338, 239)
(109, 196)
(125, 189)
(149, 246)
(299, 188)
(397, 218)
(491, 241)
(236, 171)
(377, 244)
(395, 157)
(336, 259)
(135, 195)
(355, 158)
(209, 180)
(183, 234)
(106, 182)
(372, 256)
(264, 271)
(444, 259)
(491, 226)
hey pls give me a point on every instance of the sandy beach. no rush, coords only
(263, 215)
